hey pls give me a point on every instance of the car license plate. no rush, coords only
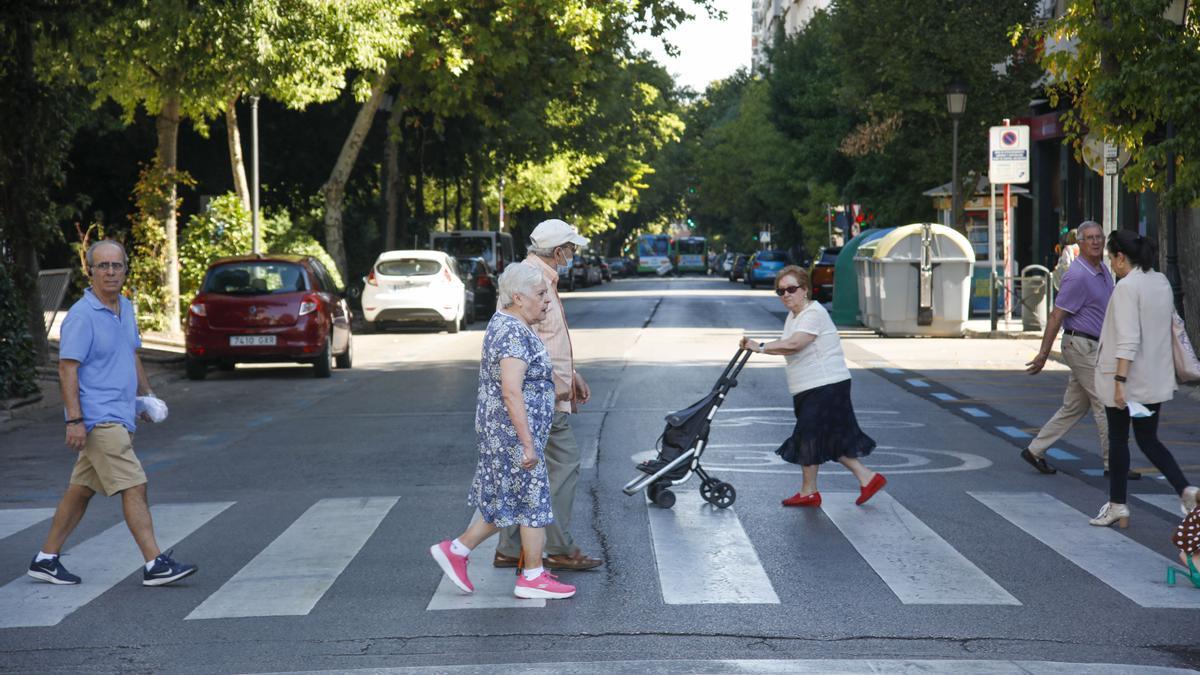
(251, 340)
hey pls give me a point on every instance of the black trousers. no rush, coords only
(1145, 430)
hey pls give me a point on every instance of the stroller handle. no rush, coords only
(729, 375)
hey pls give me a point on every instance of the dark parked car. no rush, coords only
(737, 269)
(821, 273)
(605, 270)
(481, 280)
(764, 265)
(268, 308)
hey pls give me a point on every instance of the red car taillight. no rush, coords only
(198, 309)
(757, 265)
(309, 304)
(482, 281)
(371, 278)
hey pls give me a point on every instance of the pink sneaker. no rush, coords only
(544, 586)
(455, 566)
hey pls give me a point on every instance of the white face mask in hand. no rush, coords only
(154, 407)
(1138, 410)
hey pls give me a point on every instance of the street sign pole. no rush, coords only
(1008, 163)
(991, 239)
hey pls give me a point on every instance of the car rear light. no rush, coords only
(309, 304)
(483, 282)
(757, 265)
(446, 273)
(371, 278)
(198, 309)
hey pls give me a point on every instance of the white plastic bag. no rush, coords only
(154, 407)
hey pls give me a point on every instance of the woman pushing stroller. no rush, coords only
(819, 381)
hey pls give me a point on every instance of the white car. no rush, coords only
(416, 287)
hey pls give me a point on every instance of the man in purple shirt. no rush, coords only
(1079, 310)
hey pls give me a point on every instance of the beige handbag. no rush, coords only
(1187, 366)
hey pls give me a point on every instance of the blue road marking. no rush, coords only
(1061, 454)
(1013, 432)
(161, 464)
(920, 384)
(893, 371)
(943, 396)
(259, 421)
(975, 412)
(1093, 472)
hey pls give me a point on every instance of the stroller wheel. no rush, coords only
(665, 498)
(708, 489)
(661, 496)
(723, 495)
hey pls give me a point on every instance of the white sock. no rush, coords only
(534, 573)
(459, 548)
(42, 555)
(150, 565)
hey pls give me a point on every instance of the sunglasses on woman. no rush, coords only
(786, 289)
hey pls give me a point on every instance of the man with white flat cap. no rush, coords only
(553, 243)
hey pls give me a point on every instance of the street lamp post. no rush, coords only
(1176, 13)
(254, 247)
(956, 105)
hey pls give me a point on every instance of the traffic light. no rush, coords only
(691, 223)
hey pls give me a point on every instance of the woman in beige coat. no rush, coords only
(1135, 366)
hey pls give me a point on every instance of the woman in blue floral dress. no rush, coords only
(512, 422)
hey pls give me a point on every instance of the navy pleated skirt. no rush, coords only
(826, 428)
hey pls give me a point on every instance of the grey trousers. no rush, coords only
(562, 464)
(1079, 398)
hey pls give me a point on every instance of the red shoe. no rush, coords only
(871, 488)
(803, 500)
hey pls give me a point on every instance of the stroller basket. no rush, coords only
(682, 444)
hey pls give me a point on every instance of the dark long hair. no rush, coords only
(1141, 251)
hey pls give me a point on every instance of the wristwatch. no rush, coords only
(77, 420)
(762, 348)
(1120, 378)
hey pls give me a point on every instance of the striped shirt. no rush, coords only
(554, 334)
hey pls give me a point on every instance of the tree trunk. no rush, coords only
(458, 202)
(234, 136)
(392, 177)
(334, 189)
(419, 197)
(476, 196)
(26, 278)
(168, 137)
(1189, 253)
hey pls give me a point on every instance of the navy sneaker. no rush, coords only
(52, 571)
(166, 571)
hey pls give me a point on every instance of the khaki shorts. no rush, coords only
(107, 463)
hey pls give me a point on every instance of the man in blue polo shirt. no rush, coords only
(101, 375)
(1079, 310)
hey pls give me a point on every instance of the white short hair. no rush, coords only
(518, 277)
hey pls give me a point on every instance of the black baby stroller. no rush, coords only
(682, 444)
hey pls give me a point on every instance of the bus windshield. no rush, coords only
(653, 246)
(467, 247)
(690, 246)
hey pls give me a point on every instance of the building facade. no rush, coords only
(769, 15)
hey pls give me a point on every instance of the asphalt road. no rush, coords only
(309, 506)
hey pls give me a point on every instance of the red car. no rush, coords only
(268, 308)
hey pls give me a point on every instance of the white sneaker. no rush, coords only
(1188, 499)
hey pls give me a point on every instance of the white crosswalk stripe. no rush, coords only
(704, 556)
(917, 565)
(289, 577)
(1166, 502)
(1120, 562)
(13, 521)
(102, 562)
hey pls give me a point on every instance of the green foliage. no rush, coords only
(147, 280)
(1131, 74)
(222, 229)
(18, 373)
